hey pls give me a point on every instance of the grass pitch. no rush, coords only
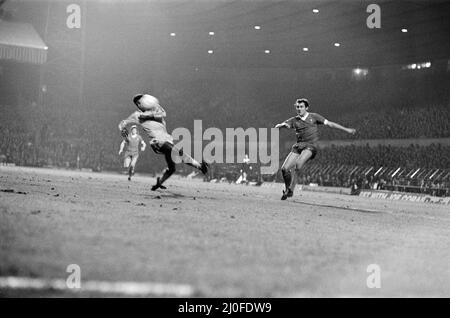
(222, 240)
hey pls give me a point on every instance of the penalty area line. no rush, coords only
(124, 288)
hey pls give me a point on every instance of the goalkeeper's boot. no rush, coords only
(158, 185)
(204, 167)
(287, 194)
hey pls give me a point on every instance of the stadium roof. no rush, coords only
(20, 42)
(285, 33)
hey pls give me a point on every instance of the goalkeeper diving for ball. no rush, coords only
(305, 149)
(151, 118)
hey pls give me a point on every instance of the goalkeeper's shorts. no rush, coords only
(164, 148)
(161, 148)
(300, 146)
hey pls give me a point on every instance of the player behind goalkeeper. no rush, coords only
(131, 155)
(150, 115)
(305, 125)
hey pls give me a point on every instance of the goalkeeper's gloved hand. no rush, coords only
(145, 117)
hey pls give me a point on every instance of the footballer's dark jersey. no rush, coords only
(133, 144)
(306, 130)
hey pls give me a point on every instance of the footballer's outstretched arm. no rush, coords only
(132, 119)
(283, 124)
(122, 145)
(337, 126)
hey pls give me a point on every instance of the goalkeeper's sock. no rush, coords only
(204, 167)
(188, 160)
(158, 185)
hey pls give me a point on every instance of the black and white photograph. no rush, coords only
(224, 154)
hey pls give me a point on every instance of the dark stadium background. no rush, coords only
(69, 106)
(64, 203)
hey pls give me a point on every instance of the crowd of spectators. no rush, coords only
(61, 139)
(431, 156)
(33, 137)
(361, 167)
(358, 181)
(26, 149)
(426, 122)
(365, 167)
(224, 104)
(381, 168)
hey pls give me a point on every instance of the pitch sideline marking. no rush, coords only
(125, 288)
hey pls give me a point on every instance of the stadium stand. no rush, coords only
(56, 138)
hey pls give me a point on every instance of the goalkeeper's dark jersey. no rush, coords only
(306, 130)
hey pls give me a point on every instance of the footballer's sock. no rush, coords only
(293, 181)
(287, 177)
(186, 159)
(165, 176)
(203, 166)
(195, 164)
(191, 162)
(158, 185)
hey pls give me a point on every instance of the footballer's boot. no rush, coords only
(204, 167)
(287, 194)
(158, 185)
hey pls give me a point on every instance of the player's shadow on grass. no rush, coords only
(349, 208)
(169, 194)
(164, 194)
(173, 195)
